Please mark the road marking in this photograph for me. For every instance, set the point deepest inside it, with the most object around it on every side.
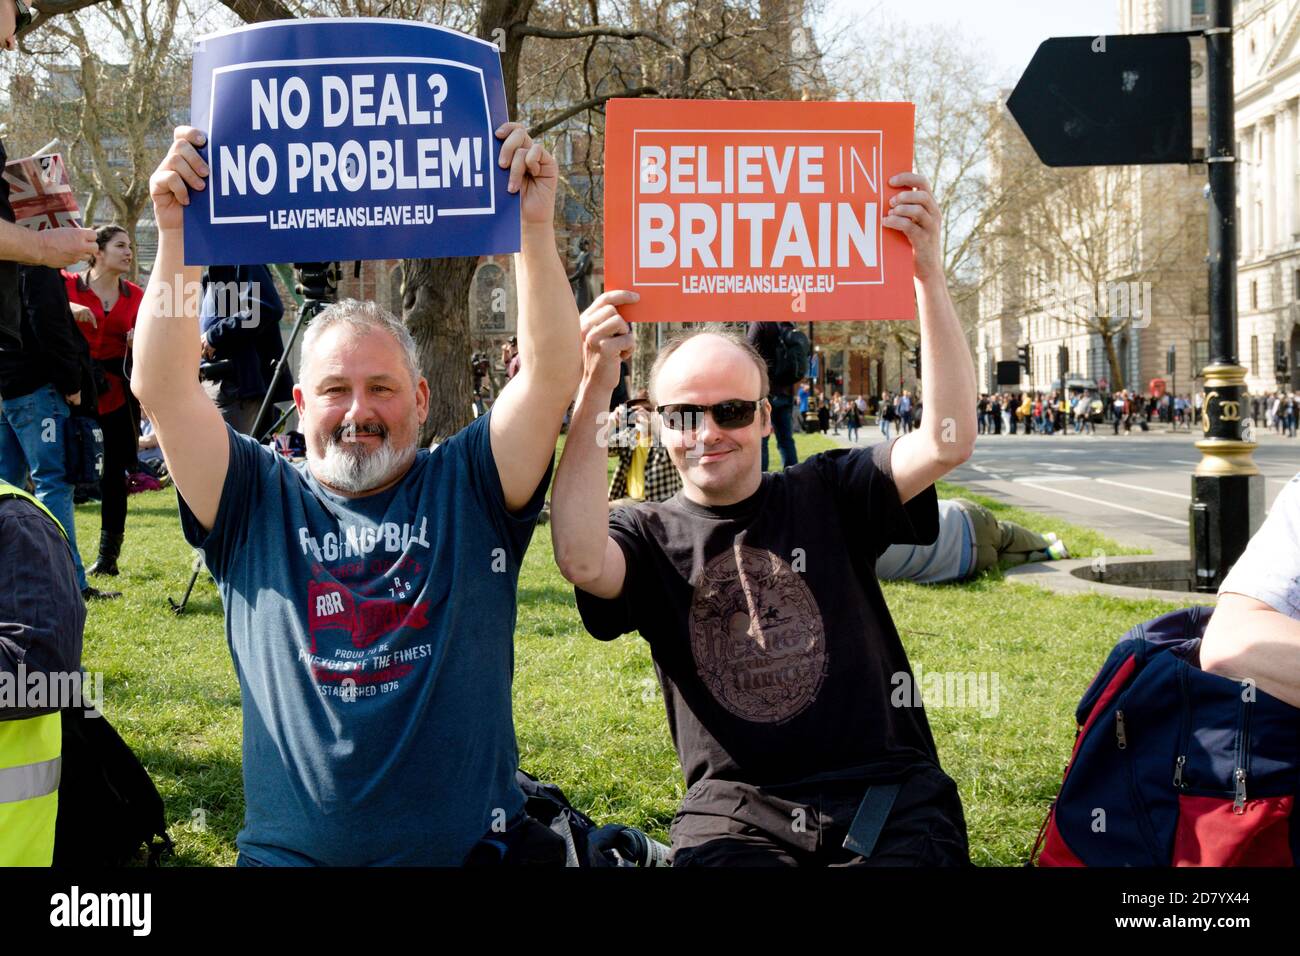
(1052, 466)
(1026, 479)
(1121, 464)
(1182, 461)
(1154, 491)
(1109, 504)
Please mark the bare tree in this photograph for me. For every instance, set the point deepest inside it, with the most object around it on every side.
(129, 80)
(1097, 237)
(950, 82)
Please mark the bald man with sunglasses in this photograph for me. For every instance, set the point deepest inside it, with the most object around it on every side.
(777, 656)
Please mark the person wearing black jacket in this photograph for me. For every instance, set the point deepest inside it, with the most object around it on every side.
(765, 337)
(239, 322)
(42, 383)
(56, 248)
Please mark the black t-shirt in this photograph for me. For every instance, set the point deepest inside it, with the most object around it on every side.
(771, 638)
(10, 308)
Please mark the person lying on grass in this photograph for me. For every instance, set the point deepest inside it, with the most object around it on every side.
(369, 591)
(775, 661)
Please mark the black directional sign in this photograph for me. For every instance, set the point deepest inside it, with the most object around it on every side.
(1108, 101)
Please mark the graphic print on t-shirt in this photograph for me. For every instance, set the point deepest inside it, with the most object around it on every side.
(344, 622)
(757, 635)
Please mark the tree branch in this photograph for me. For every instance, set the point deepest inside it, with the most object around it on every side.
(579, 33)
(588, 104)
(259, 11)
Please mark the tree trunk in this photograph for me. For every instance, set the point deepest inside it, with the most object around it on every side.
(1112, 359)
(644, 351)
(132, 225)
(435, 292)
(435, 307)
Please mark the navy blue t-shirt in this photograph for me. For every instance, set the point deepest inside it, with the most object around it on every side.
(373, 642)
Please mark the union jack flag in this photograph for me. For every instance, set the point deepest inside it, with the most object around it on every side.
(40, 193)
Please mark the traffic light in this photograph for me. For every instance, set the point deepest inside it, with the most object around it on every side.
(916, 360)
(318, 281)
(1062, 363)
(1280, 364)
(1170, 358)
(1024, 357)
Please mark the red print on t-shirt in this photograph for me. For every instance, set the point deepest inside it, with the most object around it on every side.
(333, 610)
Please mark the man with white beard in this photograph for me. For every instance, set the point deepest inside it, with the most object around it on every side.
(369, 592)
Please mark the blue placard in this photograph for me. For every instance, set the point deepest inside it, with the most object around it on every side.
(348, 139)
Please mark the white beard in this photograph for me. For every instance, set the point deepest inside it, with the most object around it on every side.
(348, 467)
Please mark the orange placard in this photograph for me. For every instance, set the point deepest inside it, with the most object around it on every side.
(756, 210)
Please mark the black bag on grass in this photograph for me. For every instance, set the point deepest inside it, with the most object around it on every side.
(108, 806)
(586, 843)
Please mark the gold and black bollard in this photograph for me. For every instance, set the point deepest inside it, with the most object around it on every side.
(1227, 487)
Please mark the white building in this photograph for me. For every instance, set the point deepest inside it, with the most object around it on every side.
(1266, 53)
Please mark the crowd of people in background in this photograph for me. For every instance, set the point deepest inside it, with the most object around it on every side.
(1030, 413)
(1279, 411)
(1083, 412)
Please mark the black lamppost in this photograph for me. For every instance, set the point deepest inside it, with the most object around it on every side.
(1227, 488)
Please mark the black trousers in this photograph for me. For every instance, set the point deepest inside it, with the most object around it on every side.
(725, 823)
(121, 435)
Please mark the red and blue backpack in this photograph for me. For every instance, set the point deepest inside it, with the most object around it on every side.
(1173, 766)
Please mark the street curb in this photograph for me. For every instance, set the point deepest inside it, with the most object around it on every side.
(1058, 576)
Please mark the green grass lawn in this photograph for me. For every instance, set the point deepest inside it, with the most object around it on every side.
(589, 714)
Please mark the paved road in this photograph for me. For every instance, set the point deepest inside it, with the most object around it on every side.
(1135, 489)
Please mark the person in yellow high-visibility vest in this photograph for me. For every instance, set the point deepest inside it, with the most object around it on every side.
(41, 621)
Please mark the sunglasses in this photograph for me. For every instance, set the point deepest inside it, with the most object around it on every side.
(731, 414)
(24, 15)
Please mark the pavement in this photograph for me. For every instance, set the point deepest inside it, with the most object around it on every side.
(1134, 488)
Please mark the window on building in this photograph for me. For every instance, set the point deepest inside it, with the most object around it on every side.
(1254, 294)
(1200, 356)
(1254, 355)
(1296, 293)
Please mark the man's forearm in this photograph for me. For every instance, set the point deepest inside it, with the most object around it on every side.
(167, 331)
(579, 508)
(1248, 639)
(548, 321)
(19, 245)
(947, 371)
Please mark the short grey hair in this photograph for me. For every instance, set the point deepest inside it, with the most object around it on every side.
(363, 317)
(678, 341)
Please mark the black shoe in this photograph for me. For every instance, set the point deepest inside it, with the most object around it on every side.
(90, 593)
(110, 546)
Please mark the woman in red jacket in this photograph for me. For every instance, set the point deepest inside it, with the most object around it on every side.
(112, 302)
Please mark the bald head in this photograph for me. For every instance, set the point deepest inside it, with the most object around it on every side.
(707, 367)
